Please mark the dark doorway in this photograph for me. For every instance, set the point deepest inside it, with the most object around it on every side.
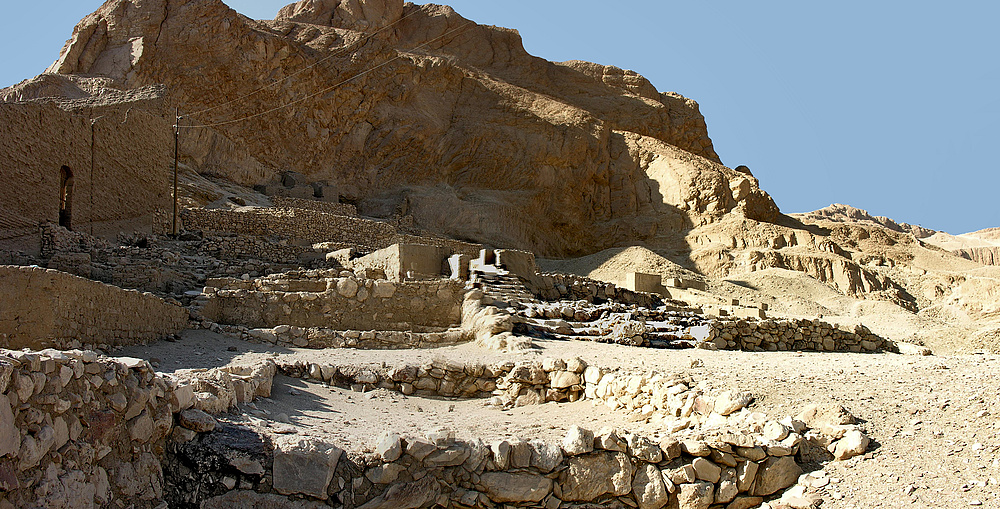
(65, 197)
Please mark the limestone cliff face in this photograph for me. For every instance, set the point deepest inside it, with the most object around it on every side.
(448, 121)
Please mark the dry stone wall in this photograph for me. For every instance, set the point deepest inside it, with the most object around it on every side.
(316, 337)
(795, 334)
(725, 455)
(312, 226)
(339, 209)
(344, 303)
(42, 308)
(81, 430)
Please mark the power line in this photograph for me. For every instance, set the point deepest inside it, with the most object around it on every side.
(335, 85)
(304, 69)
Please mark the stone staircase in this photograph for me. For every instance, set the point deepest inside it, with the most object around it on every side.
(503, 286)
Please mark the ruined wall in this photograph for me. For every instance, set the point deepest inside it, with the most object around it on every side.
(312, 226)
(81, 430)
(739, 458)
(339, 209)
(119, 185)
(42, 308)
(344, 303)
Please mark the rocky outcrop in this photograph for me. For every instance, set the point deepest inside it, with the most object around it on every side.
(451, 122)
(841, 213)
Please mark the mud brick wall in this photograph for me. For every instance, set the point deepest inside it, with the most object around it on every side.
(119, 168)
(42, 308)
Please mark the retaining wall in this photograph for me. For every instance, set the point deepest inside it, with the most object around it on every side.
(343, 303)
(42, 308)
(312, 226)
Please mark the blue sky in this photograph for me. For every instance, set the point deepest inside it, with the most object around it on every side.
(889, 106)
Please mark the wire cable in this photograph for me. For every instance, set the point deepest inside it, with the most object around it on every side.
(327, 89)
(304, 69)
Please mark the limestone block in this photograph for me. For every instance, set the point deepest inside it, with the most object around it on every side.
(705, 470)
(9, 440)
(577, 441)
(196, 420)
(515, 487)
(608, 439)
(698, 495)
(643, 448)
(852, 444)
(303, 466)
(648, 487)
(776, 473)
(589, 476)
(390, 447)
(729, 402)
(544, 456)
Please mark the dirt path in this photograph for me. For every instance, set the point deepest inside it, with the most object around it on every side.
(933, 419)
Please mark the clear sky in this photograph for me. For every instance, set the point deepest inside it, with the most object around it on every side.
(890, 106)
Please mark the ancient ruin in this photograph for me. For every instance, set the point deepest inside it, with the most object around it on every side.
(413, 266)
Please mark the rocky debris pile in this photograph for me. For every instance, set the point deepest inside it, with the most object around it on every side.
(217, 390)
(81, 430)
(488, 325)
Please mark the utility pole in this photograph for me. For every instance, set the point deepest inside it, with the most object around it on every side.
(177, 129)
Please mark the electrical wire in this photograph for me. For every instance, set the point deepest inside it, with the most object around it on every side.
(304, 69)
(327, 89)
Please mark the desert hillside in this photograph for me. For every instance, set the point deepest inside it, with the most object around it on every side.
(415, 110)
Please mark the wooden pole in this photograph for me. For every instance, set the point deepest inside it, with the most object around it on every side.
(177, 128)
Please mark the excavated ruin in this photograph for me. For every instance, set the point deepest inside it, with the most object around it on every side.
(348, 311)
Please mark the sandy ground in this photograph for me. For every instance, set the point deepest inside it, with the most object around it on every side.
(936, 437)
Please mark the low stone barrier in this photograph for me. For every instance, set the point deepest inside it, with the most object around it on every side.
(316, 337)
(345, 303)
(81, 430)
(795, 334)
(42, 308)
(737, 463)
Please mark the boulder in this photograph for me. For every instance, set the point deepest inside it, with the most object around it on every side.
(515, 487)
(303, 466)
(589, 476)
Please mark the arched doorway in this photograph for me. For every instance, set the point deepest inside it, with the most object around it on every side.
(65, 197)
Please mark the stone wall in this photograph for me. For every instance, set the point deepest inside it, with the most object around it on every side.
(312, 226)
(42, 308)
(257, 247)
(335, 208)
(795, 334)
(317, 337)
(344, 303)
(721, 454)
(81, 430)
(119, 185)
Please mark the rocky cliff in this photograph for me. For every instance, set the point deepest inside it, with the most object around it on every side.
(414, 110)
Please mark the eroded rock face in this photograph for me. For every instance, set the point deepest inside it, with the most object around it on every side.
(452, 129)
